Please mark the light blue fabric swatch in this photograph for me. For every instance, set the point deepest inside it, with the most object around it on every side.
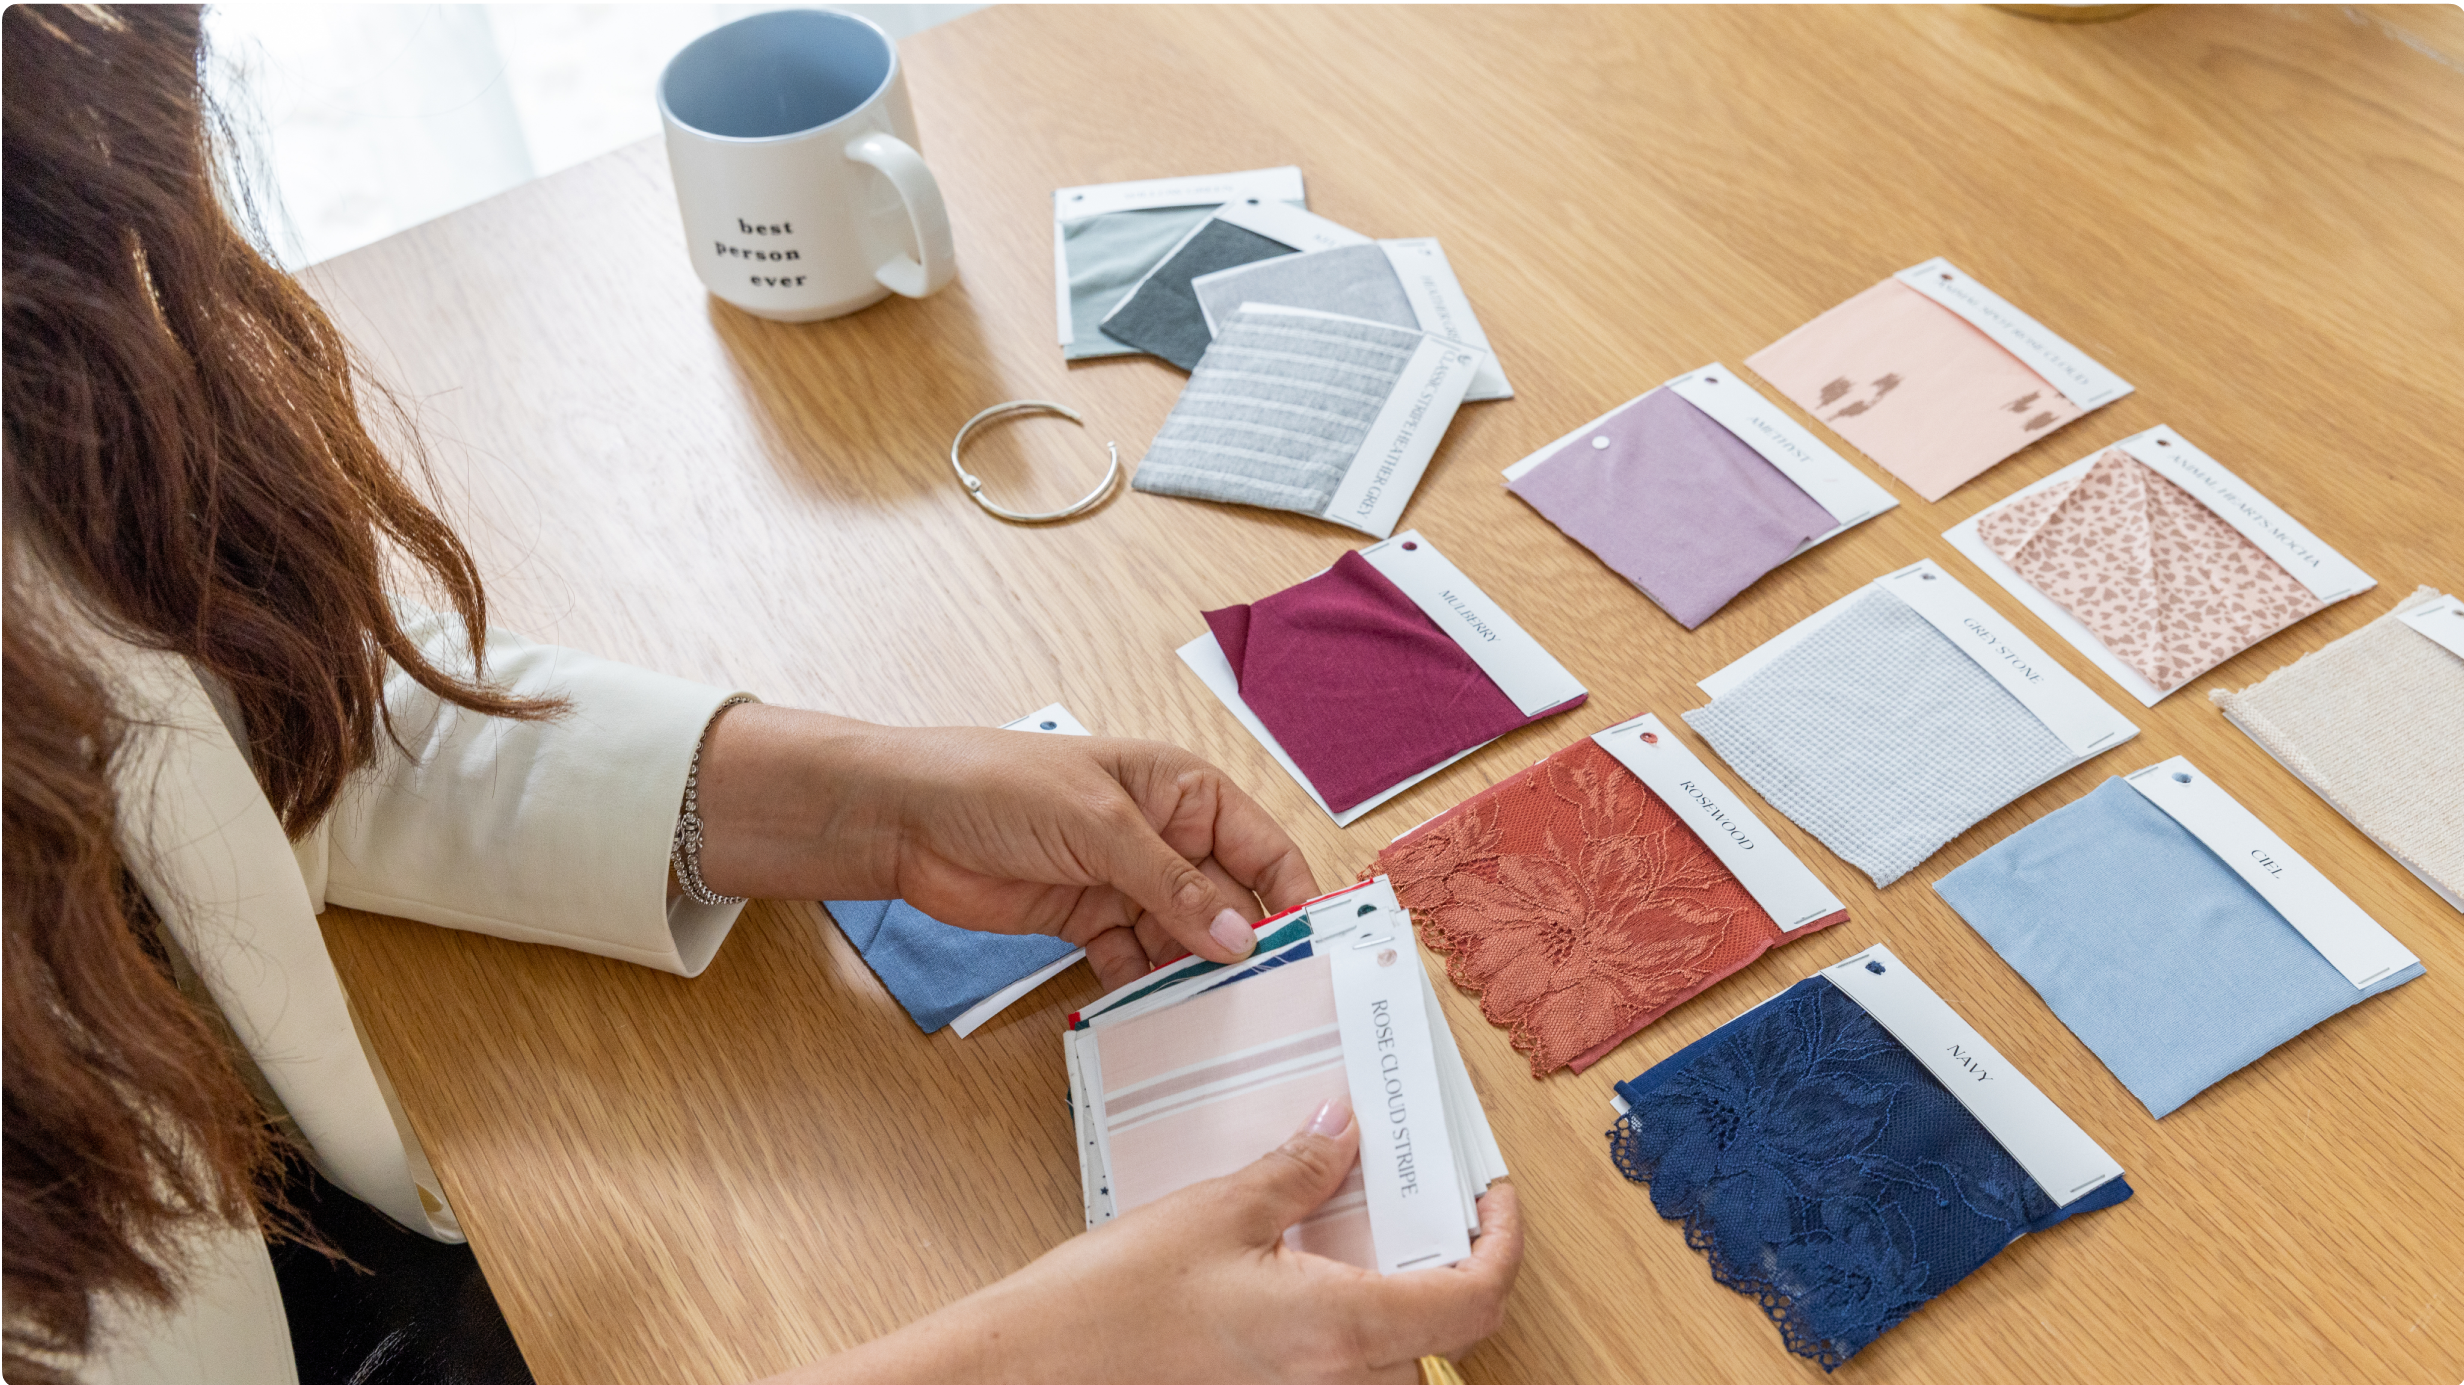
(938, 971)
(2163, 962)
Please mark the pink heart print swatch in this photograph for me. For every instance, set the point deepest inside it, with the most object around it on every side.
(2159, 578)
(1914, 386)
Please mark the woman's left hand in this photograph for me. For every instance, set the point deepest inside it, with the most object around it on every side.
(1135, 850)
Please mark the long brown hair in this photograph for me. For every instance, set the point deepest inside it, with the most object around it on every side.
(185, 456)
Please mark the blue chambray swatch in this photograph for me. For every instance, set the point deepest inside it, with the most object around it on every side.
(937, 970)
(2164, 962)
(1824, 1171)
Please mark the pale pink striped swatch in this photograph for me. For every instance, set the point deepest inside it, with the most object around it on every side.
(1202, 1088)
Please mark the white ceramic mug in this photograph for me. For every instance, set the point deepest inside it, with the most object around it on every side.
(793, 150)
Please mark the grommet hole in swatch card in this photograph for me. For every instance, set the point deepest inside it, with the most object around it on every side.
(2084, 723)
(2351, 941)
(2329, 575)
(2441, 621)
(1770, 872)
(2022, 1119)
(2080, 377)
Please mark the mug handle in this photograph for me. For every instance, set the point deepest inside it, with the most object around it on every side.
(905, 169)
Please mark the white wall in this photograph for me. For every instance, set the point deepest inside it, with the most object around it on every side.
(370, 118)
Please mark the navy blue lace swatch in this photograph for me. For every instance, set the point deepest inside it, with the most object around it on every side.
(1823, 1171)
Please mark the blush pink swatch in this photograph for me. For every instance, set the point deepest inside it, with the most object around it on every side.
(1914, 386)
(2160, 579)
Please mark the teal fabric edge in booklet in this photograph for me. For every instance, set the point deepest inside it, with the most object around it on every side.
(1202, 1067)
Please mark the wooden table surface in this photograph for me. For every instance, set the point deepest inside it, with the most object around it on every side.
(2253, 215)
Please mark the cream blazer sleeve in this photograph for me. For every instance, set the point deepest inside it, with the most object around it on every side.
(551, 831)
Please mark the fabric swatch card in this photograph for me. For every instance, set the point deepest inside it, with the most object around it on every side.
(2374, 724)
(1695, 490)
(1402, 283)
(1206, 1068)
(1106, 236)
(1935, 376)
(2155, 561)
(2159, 954)
(1331, 417)
(1896, 718)
(1377, 673)
(1580, 905)
(1847, 1151)
(1161, 315)
(946, 975)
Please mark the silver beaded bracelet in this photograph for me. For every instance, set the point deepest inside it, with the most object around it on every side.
(685, 851)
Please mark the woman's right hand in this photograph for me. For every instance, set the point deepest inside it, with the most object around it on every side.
(1200, 1287)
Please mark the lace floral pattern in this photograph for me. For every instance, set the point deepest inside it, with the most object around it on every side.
(1576, 905)
(1824, 1172)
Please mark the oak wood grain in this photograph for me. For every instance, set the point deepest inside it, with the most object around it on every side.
(2251, 214)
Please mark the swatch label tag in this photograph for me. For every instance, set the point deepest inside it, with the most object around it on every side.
(2083, 722)
(1512, 659)
(1835, 485)
(1770, 872)
(1281, 221)
(2442, 621)
(2024, 1121)
(1209, 190)
(1407, 1165)
(2350, 940)
(1052, 720)
(2329, 575)
(1440, 306)
(2080, 378)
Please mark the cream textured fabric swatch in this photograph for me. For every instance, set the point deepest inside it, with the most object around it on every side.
(2374, 723)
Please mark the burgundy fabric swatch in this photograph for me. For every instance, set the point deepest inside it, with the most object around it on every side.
(1675, 504)
(1359, 687)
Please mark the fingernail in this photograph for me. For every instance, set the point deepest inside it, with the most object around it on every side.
(1231, 930)
(1332, 1116)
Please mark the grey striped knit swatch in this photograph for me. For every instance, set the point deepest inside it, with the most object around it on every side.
(1354, 280)
(1277, 410)
(1881, 737)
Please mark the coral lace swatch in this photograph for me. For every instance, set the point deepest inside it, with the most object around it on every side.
(1357, 685)
(2159, 578)
(1915, 386)
(1824, 1172)
(1576, 905)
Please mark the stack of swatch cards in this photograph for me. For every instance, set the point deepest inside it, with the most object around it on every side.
(1850, 1149)
(1598, 890)
(2176, 935)
(945, 975)
(1325, 366)
(2155, 561)
(1898, 717)
(1202, 1067)
(1935, 376)
(1694, 490)
(1377, 673)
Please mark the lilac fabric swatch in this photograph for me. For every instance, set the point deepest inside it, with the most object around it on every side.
(1675, 504)
(1357, 685)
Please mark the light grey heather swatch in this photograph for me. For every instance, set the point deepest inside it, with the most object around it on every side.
(1355, 280)
(1276, 411)
(1881, 737)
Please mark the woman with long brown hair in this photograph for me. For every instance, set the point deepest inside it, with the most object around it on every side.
(220, 716)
